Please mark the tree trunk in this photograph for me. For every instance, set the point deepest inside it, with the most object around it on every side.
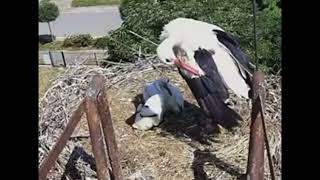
(50, 31)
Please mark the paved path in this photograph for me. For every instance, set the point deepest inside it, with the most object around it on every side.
(97, 21)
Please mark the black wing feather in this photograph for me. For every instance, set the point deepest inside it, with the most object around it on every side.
(164, 86)
(212, 81)
(233, 45)
(210, 92)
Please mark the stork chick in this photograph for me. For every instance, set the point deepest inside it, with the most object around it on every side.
(160, 97)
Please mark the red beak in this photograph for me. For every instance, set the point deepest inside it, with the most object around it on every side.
(180, 63)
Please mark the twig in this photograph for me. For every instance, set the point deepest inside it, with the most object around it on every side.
(143, 38)
(139, 55)
(115, 63)
(79, 136)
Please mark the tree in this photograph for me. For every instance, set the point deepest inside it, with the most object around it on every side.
(48, 12)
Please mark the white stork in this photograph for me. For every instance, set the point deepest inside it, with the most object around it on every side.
(211, 61)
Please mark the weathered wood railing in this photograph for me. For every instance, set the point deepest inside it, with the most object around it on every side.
(258, 135)
(98, 116)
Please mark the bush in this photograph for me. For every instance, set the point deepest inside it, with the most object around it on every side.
(81, 40)
(55, 45)
(101, 43)
(147, 17)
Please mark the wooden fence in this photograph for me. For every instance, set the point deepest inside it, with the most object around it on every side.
(65, 58)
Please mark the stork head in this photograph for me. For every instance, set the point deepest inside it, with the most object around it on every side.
(170, 52)
(165, 53)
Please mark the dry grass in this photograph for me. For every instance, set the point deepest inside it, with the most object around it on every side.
(174, 150)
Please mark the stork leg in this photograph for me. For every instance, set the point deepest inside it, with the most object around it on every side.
(210, 126)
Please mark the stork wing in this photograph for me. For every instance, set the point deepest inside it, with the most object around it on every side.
(178, 96)
(233, 46)
(212, 81)
(213, 106)
(210, 91)
(162, 86)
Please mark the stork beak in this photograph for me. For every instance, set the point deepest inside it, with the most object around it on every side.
(181, 63)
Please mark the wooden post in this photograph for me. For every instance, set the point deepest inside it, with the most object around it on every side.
(62, 141)
(95, 57)
(255, 167)
(63, 59)
(50, 56)
(109, 136)
(97, 112)
(95, 128)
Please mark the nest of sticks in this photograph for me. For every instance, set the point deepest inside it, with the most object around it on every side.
(174, 150)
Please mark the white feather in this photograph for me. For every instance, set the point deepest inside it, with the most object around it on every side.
(185, 25)
(230, 73)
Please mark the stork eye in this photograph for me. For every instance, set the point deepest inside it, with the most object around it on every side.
(146, 106)
(167, 60)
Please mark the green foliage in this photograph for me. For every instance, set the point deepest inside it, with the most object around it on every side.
(51, 46)
(45, 1)
(77, 42)
(48, 11)
(80, 40)
(85, 3)
(270, 38)
(101, 43)
(147, 17)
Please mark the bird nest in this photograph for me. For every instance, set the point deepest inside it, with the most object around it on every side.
(174, 150)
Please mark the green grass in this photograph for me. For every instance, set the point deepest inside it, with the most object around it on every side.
(45, 1)
(85, 3)
(46, 75)
(57, 45)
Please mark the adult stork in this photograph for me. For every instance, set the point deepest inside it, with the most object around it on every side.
(211, 62)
